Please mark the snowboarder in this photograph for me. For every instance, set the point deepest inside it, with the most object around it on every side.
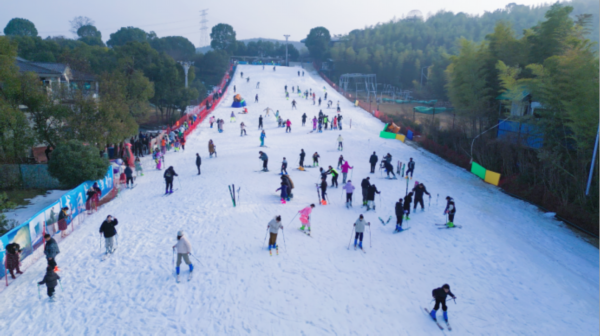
(411, 168)
(13, 253)
(260, 123)
(316, 159)
(108, 229)
(303, 119)
(359, 229)
(243, 129)
(419, 190)
(407, 201)
(284, 193)
(212, 148)
(273, 227)
(399, 209)
(198, 162)
(169, 175)
(51, 251)
(284, 166)
(365, 184)
(265, 159)
(450, 211)
(263, 135)
(184, 249)
(288, 126)
(51, 280)
(345, 168)
(334, 176)
(373, 160)
(128, 176)
(440, 294)
(302, 155)
(371, 197)
(349, 190)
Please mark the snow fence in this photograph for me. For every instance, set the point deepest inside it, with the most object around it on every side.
(484, 174)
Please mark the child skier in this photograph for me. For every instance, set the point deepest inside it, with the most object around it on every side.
(284, 194)
(263, 135)
(359, 229)
(450, 211)
(349, 190)
(407, 201)
(323, 192)
(316, 159)
(284, 167)
(440, 294)
(411, 168)
(242, 129)
(399, 215)
(305, 217)
(184, 249)
(371, 197)
(273, 228)
(50, 279)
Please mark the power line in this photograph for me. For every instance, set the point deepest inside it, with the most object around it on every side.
(203, 28)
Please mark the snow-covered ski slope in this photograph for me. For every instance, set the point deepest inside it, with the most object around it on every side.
(514, 270)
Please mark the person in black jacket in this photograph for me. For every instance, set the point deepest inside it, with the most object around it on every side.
(260, 124)
(411, 168)
(51, 250)
(303, 119)
(365, 184)
(419, 190)
(371, 197)
(440, 294)
(323, 192)
(373, 160)
(450, 211)
(407, 201)
(399, 215)
(50, 279)
(108, 229)
(13, 252)
(129, 176)
(169, 175)
(302, 155)
(198, 162)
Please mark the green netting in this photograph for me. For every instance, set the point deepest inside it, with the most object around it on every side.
(478, 170)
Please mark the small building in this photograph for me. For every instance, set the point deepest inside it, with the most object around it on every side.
(521, 108)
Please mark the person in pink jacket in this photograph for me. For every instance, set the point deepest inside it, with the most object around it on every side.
(288, 126)
(184, 249)
(345, 168)
(305, 217)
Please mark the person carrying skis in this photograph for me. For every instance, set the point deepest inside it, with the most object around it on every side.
(323, 192)
(440, 294)
(349, 190)
(284, 194)
(108, 229)
(399, 209)
(260, 123)
(51, 251)
(263, 135)
(211, 148)
(411, 168)
(373, 160)
(265, 159)
(340, 144)
(345, 168)
(334, 176)
(365, 184)
(302, 155)
(284, 166)
(273, 227)
(371, 197)
(50, 280)
(316, 159)
(288, 126)
(13, 253)
(169, 175)
(303, 119)
(407, 201)
(359, 229)
(198, 162)
(419, 190)
(128, 176)
(450, 211)
(184, 249)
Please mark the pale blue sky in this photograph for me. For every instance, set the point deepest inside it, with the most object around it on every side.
(250, 19)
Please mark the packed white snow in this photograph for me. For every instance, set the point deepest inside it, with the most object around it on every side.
(514, 270)
(36, 204)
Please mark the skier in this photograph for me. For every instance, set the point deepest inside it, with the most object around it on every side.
(260, 123)
(273, 228)
(211, 121)
(365, 184)
(198, 162)
(242, 129)
(340, 161)
(256, 98)
(371, 197)
(325, 121)
(305, 217)
(290, 185)
(232, 117)
(316, 159)
(184, 249)
(359, 229)
(319, 101)
(323, 174)
(108, 229)
(388, 167)
(263, 135)
(419, 190)
(440, 294)
(284, 166)
(169, 175)
(285, 88)
(129, 176)
(302, 155)
(349, 190)
(323, 192)
(288, 126)
(411, 168)
(303, 119)
(373, 160)
(407, 201)
(450, 211)
(267, 110)
(13, 253)
(51, 251)
(50, 279)
(263, 156)
(340, 144)
(339, 118)
(211, 148)
(294, 105)
(284, 194)
(399, 209)
(345, 168)
(334, 176)
(314, 121)
(258, 85)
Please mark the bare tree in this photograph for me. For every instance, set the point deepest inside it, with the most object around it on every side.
(78, 22)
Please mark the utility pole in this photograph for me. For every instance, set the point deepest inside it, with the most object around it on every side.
(286, 49)
(186, 67)
(203, 29)
(423, 75)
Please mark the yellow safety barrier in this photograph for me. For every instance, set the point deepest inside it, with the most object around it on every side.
(401, 137)
(492, 177)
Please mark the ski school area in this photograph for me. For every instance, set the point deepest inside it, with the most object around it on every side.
(513, 270)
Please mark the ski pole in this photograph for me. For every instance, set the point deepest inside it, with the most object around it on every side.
(370, 245)
(352, 234)
(195, 258)
(293, 218)
(39, 297)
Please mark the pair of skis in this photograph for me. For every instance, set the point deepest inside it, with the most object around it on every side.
(436, 321)
(384, 223)
(445, 226)
(232, 194)
(400, 169)
(189, 277)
